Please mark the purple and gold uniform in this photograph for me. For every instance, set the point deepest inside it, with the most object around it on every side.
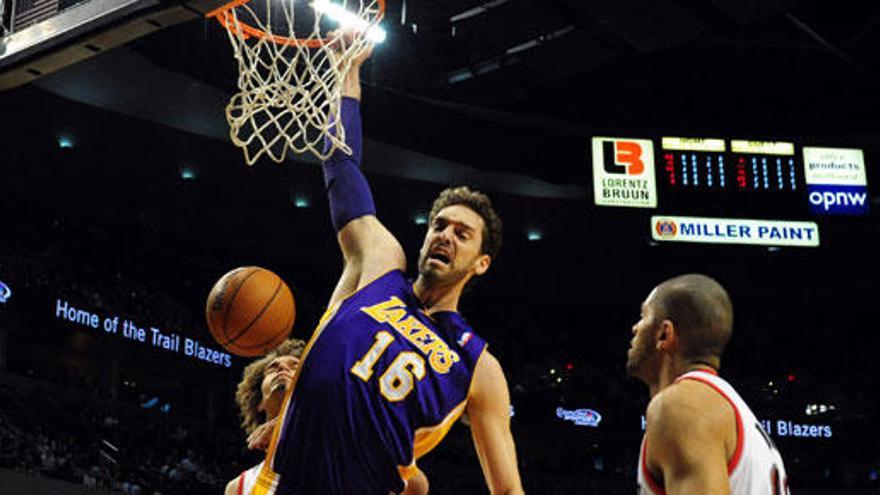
(380, 385)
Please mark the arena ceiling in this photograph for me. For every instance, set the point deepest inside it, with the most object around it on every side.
(509, 90)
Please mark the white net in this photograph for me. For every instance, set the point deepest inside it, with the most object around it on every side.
(292, 61)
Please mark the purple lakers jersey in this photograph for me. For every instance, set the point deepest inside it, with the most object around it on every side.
(380, 385)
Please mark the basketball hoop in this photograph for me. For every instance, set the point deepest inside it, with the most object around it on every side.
(291, 63)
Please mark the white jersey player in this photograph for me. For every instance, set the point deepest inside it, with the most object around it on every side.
(756, 466)
(700, 435)
(247, 479)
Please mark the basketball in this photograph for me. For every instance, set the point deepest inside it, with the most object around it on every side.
(250, 311)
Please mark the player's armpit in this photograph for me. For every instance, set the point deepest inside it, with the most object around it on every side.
(686, 434)
(346, 284)
(488, 411)
(369, 251)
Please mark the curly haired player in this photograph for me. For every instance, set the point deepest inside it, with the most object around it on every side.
(259, 396)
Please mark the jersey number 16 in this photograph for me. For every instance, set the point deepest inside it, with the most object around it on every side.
(398, 380)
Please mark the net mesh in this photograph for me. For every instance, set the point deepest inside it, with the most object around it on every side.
(291, 61)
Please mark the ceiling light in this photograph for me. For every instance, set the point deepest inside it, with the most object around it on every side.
(349, 20)
(482, 9)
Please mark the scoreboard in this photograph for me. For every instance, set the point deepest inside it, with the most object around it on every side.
(764, 166)
(736, 176)
(751, 166)
(694, 163)
(725, 180)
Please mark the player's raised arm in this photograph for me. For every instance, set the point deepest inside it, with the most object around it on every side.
(368, 248)
(685, 440)
(489, 413)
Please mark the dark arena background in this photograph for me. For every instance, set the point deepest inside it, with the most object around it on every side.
(122, 201)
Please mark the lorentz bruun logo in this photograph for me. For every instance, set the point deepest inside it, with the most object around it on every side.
(623, 157)
(623, 172)
(5, 292)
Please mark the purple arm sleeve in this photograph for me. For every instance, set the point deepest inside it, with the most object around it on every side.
(347, 188)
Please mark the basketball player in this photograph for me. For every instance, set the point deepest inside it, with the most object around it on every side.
(392, 364)
(259, 396)
(701, 437)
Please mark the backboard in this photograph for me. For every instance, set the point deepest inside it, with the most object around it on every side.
(38, 37)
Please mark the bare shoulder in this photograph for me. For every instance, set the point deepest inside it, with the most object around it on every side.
(689, 438)
(490, 363)
(688, 412)
(690, 403)
(489, 381)
(488, 370)
(232, 486)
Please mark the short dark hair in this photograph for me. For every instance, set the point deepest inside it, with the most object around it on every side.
(701, 311)
(482, 205)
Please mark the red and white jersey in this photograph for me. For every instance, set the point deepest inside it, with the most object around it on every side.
(248, 479)
(756, 467)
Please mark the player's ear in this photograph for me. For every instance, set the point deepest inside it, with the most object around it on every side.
(666, 335)
(482, 263)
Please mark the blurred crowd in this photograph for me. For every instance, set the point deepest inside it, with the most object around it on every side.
(66, 424)
(48, 430)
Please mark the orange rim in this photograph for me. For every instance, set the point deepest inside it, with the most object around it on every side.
(228, 22)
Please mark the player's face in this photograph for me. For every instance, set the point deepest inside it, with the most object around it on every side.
(276, 378)
(452, 247)
(643, 346)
